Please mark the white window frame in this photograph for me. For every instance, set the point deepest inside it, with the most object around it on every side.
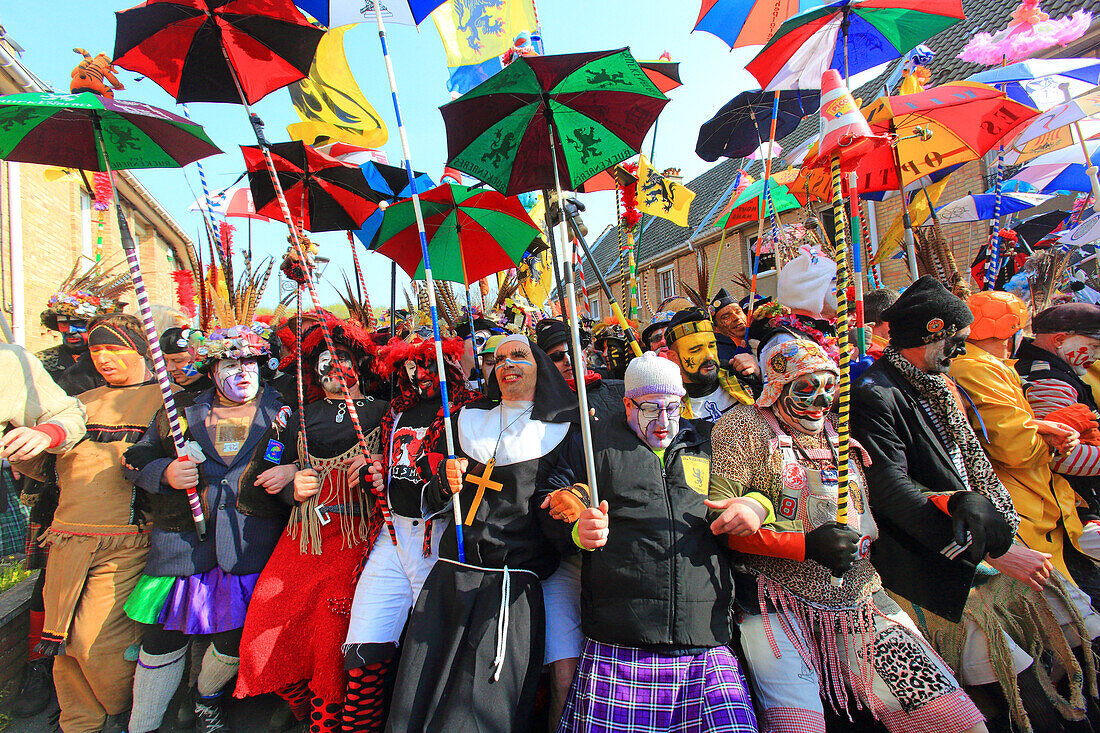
(750, 252)
(87, 227)
(594, 305)
(671, 271)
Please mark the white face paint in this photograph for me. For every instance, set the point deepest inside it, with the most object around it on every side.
(238, 380)
(1079, 352)
(326, 372)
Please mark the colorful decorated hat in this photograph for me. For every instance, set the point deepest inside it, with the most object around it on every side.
(787, 362)
(83, 297)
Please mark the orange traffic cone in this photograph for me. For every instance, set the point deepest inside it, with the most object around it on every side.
(844, 131)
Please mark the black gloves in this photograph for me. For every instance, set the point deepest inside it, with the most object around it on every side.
(990, 532)
(834, 545)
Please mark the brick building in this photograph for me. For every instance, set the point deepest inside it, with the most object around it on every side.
(668, 254)
(47, 225)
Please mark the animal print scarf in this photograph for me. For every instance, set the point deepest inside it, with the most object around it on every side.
(938, 396)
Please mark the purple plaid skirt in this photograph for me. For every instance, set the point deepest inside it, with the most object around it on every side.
(620, 689)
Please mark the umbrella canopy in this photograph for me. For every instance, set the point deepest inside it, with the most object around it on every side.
(744, 122)
(323, 194)
(850, 36)
(1037, 82)
(234, 201)
(60, 129)
(749, 205)
(601, 105)
(979, 206)
(471, 232)
(1036, 228)
(1055, 172)
(333, 13)
(965, 119)
(745, 23)
(183, 46)
(1060, 115)
(665, 75)
(393, 182)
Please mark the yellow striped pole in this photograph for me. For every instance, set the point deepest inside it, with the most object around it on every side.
(843, 429)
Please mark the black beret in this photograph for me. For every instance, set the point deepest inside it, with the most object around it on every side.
(720, 300)
(549, 332)
(687, 321)
(174, 340)
(480, 324)
(925, 312)
(1079, 318)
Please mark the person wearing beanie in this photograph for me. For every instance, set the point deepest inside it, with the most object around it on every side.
(878, 330)
(655, 600)
(1053, 365)
(181, 367)
(711, 390)
(1021, 449)
(806, 290)
(774, 495)
(99, 536)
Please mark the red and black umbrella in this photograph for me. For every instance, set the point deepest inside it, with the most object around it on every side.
(199, 50)
(322, 193)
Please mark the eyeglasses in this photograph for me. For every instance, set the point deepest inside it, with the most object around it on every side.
(558, 356)
(651, 410)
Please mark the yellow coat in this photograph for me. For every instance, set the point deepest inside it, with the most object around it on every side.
(1044, 500)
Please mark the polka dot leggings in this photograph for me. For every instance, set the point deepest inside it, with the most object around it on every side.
(367, 698)
(324, 717)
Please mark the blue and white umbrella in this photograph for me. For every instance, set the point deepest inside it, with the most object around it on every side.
(979, 206)
(1038, 82)
(333, 13)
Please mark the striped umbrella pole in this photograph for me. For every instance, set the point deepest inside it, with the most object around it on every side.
(441, 366)
(840, 251)
(857, 260)
(578, 269)
(130, 249)
(206, 192)
(993, 263)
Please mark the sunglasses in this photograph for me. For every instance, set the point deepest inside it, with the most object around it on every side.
(558, 356)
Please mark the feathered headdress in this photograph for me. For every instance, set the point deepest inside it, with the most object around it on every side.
(345, 334)
(398, 351)
(84, 296)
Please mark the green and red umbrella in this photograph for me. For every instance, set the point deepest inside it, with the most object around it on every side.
(60, 129)
(472, 233)
(600, 104)
(850, 36)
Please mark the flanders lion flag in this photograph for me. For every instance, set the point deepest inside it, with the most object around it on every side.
(658, 196)
(474, 31)
(330, 103)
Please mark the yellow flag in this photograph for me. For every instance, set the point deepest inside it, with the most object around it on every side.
(918, 212)
(330, 103)
(536, 275)
(658, 196)
(474, 31)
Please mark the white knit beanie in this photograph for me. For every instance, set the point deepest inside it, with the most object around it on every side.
(652, 374)
(806, 282)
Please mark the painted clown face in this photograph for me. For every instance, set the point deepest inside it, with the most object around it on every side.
(73, 333)
(697, 354)
(654, 418)
(423, 375)
(805, 401)
(237, 380)
(329, 371)
(1079, 351)
(938, 354)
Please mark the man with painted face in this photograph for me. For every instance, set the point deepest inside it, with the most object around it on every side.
(656, 593)
(99, 536)
(203, 587)
(711, 390)
(774, 492)
(181, 367)
(938, 504)
(297, 621)
(400, 559)
(1052, 365)
(475, 643)
(611, 346)
(653, 335)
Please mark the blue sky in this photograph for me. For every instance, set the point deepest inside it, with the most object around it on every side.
(712, 74)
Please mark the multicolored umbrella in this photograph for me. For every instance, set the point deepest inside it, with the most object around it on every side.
(746, 23)
(216, 50)
(600, 104)
(664, 73)
(1061, 170)
(323, 194)
(1038, 82)
(850, 36)
(744, 123)
(61, 128)
(333, 13)
(471, 232)
(82, 125)
(393, 182)
(750, 204)
(235, 201)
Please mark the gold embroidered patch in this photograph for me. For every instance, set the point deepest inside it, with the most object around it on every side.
(697, 473)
